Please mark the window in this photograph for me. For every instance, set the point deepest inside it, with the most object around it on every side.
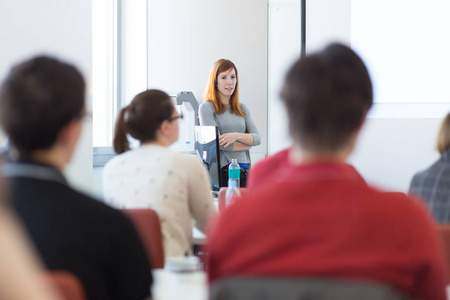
(105, 37)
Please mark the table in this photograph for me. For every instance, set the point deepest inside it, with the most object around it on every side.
(169, 285)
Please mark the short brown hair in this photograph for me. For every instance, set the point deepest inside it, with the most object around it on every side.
(37, 99)
(327, 95)
(443, 137)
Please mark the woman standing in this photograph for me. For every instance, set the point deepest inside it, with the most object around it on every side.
(174, 184)
(237, 131)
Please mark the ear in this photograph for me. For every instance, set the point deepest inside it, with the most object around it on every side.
(164, 129)
(69, 134)
(356, 133)
(363, 120)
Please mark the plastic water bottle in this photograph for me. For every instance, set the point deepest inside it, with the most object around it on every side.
(232, 191)
(234, 172)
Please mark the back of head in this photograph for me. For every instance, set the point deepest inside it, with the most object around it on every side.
(37, 99)
(142, 118)
(327, 95)
(443, 138)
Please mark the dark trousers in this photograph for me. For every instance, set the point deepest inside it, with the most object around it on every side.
(224, 177)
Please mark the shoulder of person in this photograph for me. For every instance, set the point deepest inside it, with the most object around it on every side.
(120, 159)
(399, 204)
(418, 177)
(430, 172)
(113, 162)
(243, 107)
(187, 159)
(141, 153)
(94, 207)
(273, 161)
(189, 166)
(411, 210)
(206, 106)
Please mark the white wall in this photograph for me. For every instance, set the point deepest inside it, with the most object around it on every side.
(406, 53)
(327, 21)
(133, 49)
(284, 48)
(60, 28)
(391, 150)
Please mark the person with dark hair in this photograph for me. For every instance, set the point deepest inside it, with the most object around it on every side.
(433, 184)
(238, 132)
(174, 184)
(317, 217)
(41, 110)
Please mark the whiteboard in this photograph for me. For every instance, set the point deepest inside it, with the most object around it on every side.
(407, 53)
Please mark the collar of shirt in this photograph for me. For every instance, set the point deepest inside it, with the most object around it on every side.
(32, 170)
(321, 171)
(446, 156)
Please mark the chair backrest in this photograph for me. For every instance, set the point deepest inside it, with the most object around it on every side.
(267, 288)
(221, 198)
(67, 284)
(147, 224)
(443, 231)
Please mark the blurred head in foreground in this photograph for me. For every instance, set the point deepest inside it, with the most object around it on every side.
(41, 107)
(327, 96)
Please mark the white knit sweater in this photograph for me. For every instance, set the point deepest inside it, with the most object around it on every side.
(175, 185)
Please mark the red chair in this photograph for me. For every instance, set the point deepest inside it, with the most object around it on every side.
(67, 284)
(221, 198)
(444, 232)
(147, 224)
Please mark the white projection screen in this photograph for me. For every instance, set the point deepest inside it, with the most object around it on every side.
(406, 46)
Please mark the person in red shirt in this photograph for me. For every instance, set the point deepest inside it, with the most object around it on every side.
(316, 217)
(264, 169)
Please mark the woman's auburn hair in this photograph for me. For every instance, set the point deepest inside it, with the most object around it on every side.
(212, 94)
(443, 137)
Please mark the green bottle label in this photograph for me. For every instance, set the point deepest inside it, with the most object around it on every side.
(234, 173)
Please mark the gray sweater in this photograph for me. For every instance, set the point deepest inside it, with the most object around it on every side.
(228, 122)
